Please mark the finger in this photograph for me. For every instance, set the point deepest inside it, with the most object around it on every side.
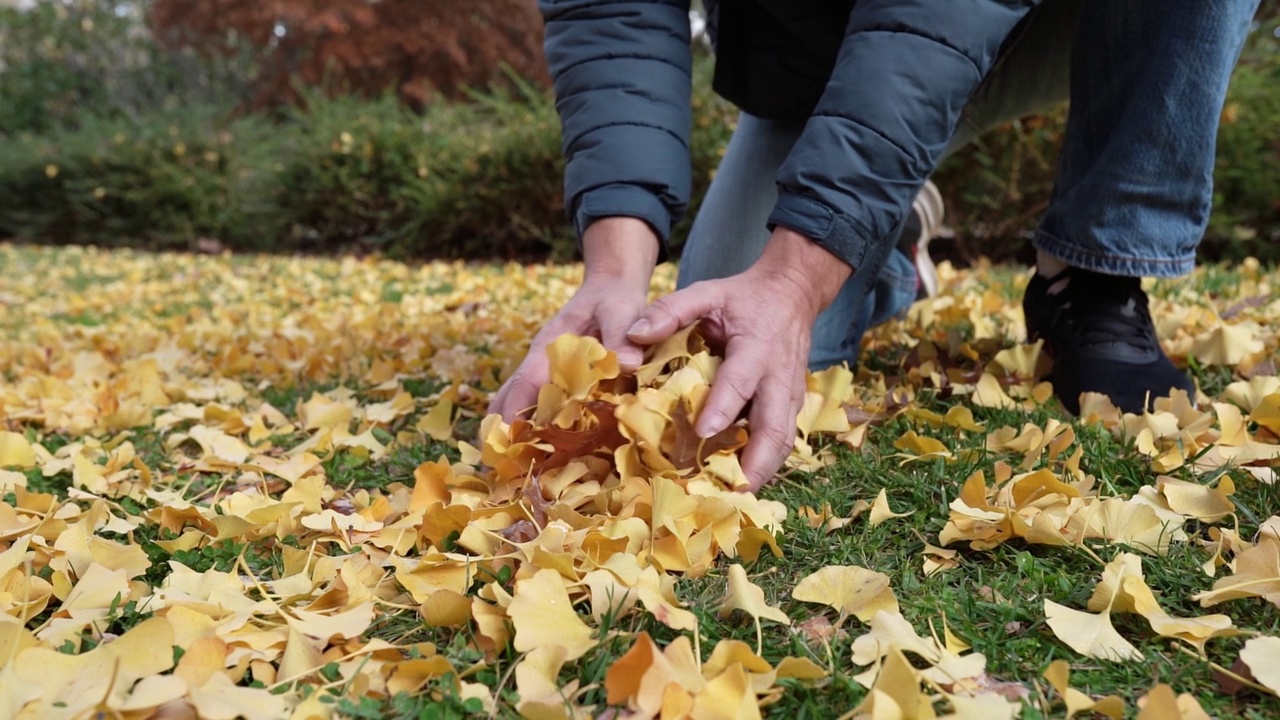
(734, 384)
(520, 391)
(773, 428)
(521, 394)
(671, 312)
(613, 333)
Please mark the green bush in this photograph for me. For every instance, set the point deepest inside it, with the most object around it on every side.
(463, 180)
(165, 181)
(482, 179)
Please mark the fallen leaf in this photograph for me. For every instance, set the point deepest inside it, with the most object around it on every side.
(1262, 656)
(1090, 635)
(543, 616)
(850, 589)
(1059, 673)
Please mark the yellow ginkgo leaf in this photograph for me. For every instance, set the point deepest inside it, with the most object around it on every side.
(1250, 394)
(437, 422)
(850, 589)
(1257, 574)
(727, 696)
(960, 416)
(1262, 655)
(880, 511)
(744, 595)
(579, 363)
(542, 615)
(537, 682)
(644, 677)
(1208, 504)
(918, 447)
(15, 451)
(222, 698)
(896, 694)
(989, 394)
(446, 608)
(1090, 635)
(1162, 704)
(1225, 345)
(938, 559)
(1266, 413)
(799, 669)
(1059, 673)
(823, 409)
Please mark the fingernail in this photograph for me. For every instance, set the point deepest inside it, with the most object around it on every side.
(710, 424)
(640, 327)
(630, 357)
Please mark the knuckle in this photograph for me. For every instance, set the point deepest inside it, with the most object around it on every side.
(778, 439)
(740, 386)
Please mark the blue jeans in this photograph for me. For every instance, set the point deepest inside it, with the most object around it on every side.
(1147, 80)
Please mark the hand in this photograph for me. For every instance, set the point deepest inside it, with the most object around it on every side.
(763, 317)
(619, 255)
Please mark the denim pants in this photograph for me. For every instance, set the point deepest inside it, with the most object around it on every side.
(1147, 80)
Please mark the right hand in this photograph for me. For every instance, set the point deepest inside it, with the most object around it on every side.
(619, 255)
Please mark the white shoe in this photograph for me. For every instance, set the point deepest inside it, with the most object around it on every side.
(923, 226)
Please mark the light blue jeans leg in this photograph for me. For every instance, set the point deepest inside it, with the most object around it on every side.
(729, 234)
(1135, 185)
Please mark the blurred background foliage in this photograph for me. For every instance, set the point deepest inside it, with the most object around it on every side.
(422, 130)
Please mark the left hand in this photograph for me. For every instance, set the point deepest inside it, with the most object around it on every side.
(763, 318)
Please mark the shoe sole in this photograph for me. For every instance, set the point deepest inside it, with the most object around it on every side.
(928, 206)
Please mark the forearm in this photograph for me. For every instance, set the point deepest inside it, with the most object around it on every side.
(904, 73)
(622, 75)
(621, 250)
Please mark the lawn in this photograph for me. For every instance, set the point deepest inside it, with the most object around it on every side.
(265, 487)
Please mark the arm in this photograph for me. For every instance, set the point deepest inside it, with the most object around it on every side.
(905, 71)
(622, 79)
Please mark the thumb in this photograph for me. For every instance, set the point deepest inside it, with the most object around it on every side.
(670, 313)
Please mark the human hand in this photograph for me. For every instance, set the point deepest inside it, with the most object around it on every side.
(619, 255)
(763, 318)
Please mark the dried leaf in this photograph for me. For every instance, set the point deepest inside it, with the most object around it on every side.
(850, 589)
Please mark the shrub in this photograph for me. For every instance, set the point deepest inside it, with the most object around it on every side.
(165, 181)
(463, 180)
(482, 179)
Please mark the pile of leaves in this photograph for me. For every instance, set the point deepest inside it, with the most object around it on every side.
(267, 488)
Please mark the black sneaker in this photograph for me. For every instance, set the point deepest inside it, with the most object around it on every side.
(1098, 331)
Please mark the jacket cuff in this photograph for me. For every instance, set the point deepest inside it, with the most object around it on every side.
(625, 201)
(832, 230)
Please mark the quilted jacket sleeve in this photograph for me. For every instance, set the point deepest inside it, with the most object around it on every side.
(622, 74)
(905, 70)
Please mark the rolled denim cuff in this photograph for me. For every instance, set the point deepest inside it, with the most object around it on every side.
(832, 230)
(621, 200)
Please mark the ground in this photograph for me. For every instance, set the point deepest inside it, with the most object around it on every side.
(225, 496)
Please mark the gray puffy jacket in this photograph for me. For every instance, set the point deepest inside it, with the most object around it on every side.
(882, 91)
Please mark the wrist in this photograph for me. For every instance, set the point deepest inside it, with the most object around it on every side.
(794, 258)
(619, 249)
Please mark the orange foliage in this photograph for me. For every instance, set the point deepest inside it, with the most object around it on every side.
(414, 47)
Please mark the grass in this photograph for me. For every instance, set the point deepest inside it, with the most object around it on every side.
(425, 324)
